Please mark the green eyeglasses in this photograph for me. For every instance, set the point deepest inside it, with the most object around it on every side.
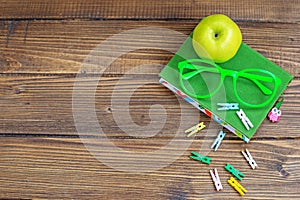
(203, 78)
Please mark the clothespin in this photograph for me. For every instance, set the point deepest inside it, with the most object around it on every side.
(228, 106)
(195, 129)
(238, 187)
(199, 157)
(246, 121)
(275, 113)
(218, 140)
(249, 158)
(239, 175)
(216, 179)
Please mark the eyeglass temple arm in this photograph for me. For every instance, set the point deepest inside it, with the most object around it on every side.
(197, 69)
(263, 88)
(256, 78)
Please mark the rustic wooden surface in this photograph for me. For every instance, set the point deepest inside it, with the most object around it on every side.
(42, 47)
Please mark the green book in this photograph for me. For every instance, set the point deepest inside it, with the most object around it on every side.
(245, 58)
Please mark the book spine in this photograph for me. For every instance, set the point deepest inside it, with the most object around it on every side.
(202, 109)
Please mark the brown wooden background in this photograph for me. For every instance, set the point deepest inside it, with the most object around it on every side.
(42, 47)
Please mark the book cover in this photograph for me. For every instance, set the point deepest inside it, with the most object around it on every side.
(246, 58)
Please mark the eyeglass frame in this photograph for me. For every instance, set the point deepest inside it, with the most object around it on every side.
(234, 74)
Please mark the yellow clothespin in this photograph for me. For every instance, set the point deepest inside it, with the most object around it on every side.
(195, 129)
(238, 187)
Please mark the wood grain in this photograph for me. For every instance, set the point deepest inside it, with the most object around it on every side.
(60, 47)
(63, 168)
(258, 10)
(43, 48)
(43, 105)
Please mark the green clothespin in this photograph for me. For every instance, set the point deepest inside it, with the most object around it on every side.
(239, 175)
(275, 113)
(199, 157)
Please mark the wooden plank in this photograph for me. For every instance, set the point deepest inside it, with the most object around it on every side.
(62, 168)
(259, 10)
(60, 47)
(35, 105)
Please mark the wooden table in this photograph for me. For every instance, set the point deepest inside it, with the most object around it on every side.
(43, 46)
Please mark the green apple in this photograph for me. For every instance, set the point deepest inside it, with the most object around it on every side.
(217, 38)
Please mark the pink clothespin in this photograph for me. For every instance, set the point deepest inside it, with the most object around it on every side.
(275, 113)
(216, 179)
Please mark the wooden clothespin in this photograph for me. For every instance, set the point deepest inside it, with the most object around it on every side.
(238, 187)
(239, 175)
(199, 157)
(218, 140)
(249, 158)
(216, 179)
(246, 121)
(275, 113)
(228, 106)
(195, 129)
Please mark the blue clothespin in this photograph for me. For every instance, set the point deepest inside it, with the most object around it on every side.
(218, 140)
(239, 175)
(199, 157)
(228, 106)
